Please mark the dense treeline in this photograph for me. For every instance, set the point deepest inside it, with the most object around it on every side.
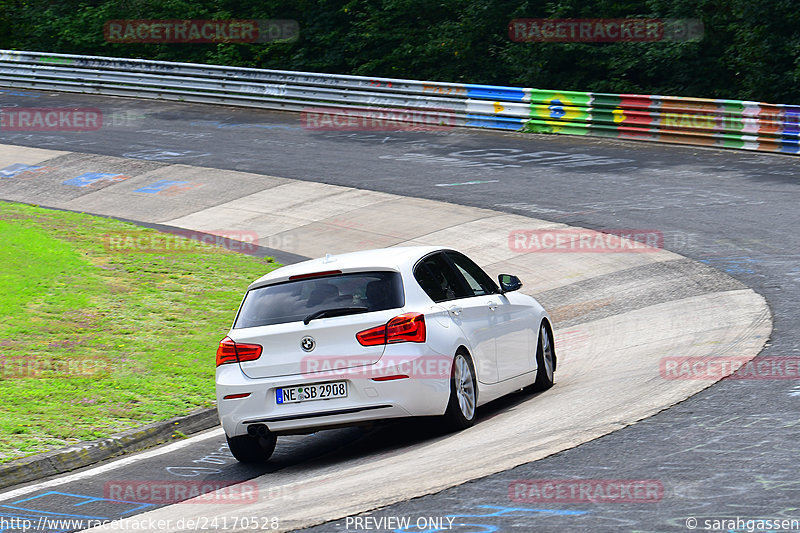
(750, 49)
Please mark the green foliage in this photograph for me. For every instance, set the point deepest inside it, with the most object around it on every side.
(750, 49)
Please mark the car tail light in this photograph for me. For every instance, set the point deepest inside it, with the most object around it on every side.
(372, 336)
(408, 327)
(231, 352)
(226, 352)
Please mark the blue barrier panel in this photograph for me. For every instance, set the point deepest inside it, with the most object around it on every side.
(790, 138)
(505, 123)
(495, 92)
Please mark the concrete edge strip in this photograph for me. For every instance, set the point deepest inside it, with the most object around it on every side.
(84, 454)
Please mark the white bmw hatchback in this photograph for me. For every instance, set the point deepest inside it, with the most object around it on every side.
(396, 332)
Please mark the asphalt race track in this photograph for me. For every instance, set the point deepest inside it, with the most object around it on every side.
(727, 452)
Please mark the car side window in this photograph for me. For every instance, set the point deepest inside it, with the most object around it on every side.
(478, 280)
(438, 279)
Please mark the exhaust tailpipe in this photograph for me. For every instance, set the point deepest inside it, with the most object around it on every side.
(258, 430)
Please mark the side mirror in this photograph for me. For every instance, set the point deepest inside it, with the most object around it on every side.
(509, 283)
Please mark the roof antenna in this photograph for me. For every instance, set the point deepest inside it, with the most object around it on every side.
(328, 259)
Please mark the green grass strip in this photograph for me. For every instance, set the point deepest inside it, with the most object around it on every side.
(95, 339)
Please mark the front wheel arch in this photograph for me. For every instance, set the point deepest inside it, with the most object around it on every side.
(546, 324)
(545, 342)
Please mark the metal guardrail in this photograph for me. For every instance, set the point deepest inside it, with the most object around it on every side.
(707, 122)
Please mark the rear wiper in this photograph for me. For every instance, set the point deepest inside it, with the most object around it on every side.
(337, 311)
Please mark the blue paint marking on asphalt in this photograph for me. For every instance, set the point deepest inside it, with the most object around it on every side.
(17, 168)
(83, 500)
(90, 178)
(498, 511)
(18, 93)
(479, 528)
(732, 265)
(160, 186)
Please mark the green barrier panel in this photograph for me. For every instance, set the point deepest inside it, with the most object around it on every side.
(556, 108)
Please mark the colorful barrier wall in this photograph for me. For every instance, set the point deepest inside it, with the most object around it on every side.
(696, 121)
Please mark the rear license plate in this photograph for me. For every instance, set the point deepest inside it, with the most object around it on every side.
(307, 393)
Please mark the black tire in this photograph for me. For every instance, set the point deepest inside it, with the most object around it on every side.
(545, 360)
(463, 403)
(247, 449)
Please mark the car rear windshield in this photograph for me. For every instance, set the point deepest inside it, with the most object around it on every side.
(356, 292)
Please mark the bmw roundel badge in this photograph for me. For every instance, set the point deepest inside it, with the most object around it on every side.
(308, 343)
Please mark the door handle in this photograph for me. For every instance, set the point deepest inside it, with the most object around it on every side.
(492, 306)
(455, 310)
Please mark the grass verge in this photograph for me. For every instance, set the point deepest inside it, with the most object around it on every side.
(94, 341)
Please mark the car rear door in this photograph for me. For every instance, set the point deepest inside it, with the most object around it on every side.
(509, 321)
(439, 278)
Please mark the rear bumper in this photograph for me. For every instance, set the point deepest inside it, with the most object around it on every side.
(424, 391)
